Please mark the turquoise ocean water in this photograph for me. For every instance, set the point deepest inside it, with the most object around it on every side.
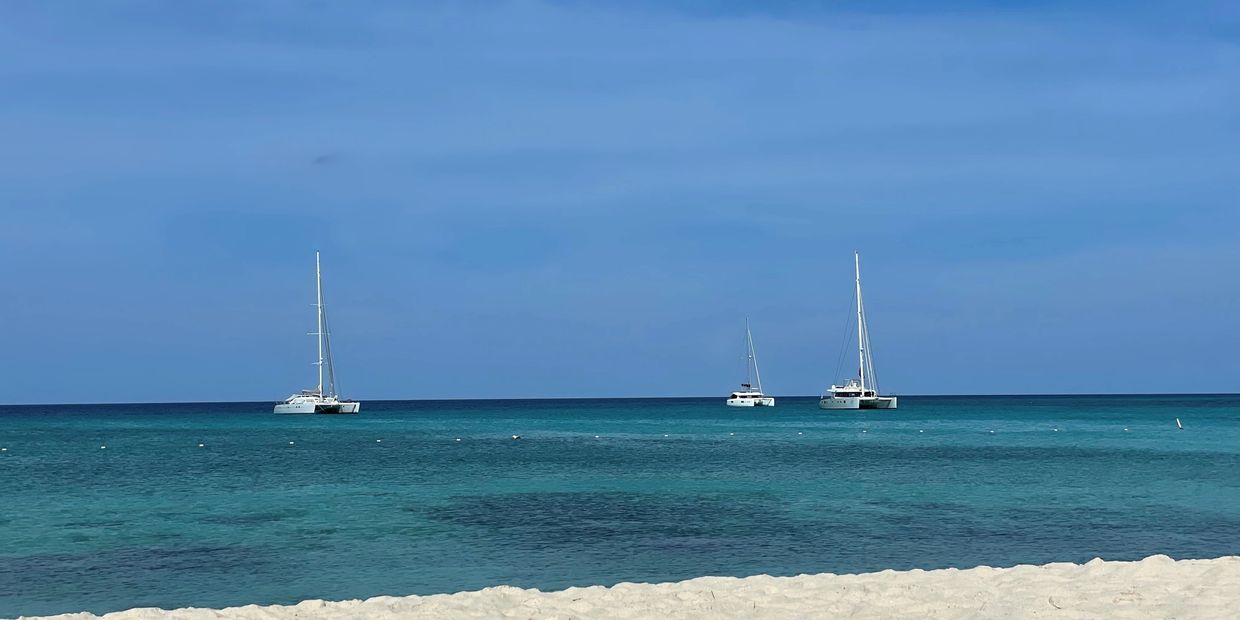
(389, 502)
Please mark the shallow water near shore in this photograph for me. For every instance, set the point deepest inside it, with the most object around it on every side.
(390, 502)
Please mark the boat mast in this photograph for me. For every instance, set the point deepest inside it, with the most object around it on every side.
(860, 325)
(318, 306)
(753, 355)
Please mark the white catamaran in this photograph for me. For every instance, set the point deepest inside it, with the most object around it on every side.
(747, 396)
(317, 400)
(862, 392)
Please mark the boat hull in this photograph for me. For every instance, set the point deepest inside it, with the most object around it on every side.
(765, 401)
(856, 402)
(318, 408)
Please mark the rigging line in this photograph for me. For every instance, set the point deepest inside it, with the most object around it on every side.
(869, 357)
(747, 361)
(844, 350)
(848, 333)
(327, 347)
(869, 351)
(753, 355)
(330, 388)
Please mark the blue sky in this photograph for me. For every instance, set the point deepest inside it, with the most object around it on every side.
(586, 199)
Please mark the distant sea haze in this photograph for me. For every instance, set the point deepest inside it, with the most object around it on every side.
(109, 507)
(135, 406)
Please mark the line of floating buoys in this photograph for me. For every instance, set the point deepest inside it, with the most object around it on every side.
(1178, 425)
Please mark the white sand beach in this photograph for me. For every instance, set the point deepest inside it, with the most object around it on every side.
(1156, 587)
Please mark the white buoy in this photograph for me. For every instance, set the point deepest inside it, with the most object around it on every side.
(199, 445)
(665, 435)
(516, 436)
(103, 447)
(731, 434)
(800, 433)
(290, 443)
(992, 432)
(4, 449)
(1178, 425)
(1125, 429)
(1055, 429)
(378, 441)
(458, 438)
(863, 430)
(921, 431)
(596, 436)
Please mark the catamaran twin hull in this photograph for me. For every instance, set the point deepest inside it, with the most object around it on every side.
(860, 392)
(323, 408)
(323, 398)
(857, 402)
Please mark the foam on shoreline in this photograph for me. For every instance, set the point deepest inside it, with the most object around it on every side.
(1154, 587)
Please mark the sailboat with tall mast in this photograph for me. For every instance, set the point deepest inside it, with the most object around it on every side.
(324, 398)
(747, 396)
(861, 392)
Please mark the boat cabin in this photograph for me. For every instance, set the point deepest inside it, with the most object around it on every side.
(746, 395)
(852, 389)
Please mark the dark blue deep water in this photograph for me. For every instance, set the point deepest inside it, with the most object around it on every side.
(669, 489)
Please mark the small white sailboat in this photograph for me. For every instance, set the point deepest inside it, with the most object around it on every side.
(747, 396)
(862, 392)
(320, 400)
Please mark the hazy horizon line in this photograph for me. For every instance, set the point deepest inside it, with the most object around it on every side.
(563, 398)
